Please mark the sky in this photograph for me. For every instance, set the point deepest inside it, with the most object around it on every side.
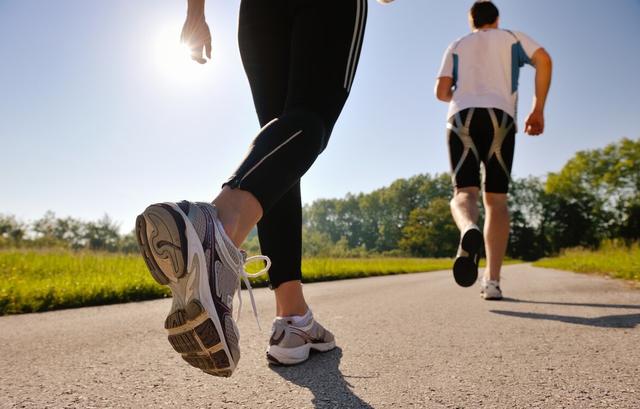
(100, 113)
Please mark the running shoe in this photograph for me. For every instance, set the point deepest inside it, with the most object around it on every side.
(465, 268)
(186, 248)
(291, 344)
(490, 290)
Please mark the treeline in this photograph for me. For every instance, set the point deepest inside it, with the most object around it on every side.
(54, 232)
(596, 196)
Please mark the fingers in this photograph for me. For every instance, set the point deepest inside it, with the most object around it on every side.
(197, 37)
(533, 128)
(197, 51)
(534, 124)
(196, 54)
(207, 47)
(530, 130)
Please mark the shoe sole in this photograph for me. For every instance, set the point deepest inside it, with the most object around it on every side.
(465, 269)
(293, 356)
(175, 258)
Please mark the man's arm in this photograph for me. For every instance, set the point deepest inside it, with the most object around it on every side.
(541, 60)
(444, 89)
(195, 32)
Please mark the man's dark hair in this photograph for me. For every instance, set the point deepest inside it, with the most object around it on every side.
(483, 13)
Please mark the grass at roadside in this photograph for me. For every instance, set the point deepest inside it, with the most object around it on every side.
(612, 259)
(327, 269)
(32, 281)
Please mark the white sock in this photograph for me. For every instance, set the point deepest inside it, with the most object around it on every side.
(469, 227)
(302, 320)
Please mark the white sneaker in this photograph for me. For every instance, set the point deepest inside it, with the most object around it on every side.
(291, 344)
(186, 248)
(490, 290)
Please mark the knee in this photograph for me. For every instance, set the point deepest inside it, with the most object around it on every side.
(465, 195)
(495, 202)
(310, 123)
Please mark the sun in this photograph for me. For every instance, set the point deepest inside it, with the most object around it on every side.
(172, 59)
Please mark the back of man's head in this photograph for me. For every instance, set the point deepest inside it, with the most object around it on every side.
(483, 13)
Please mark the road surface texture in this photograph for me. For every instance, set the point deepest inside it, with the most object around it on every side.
(560, 340)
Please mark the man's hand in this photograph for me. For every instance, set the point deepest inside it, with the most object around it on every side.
(196, 35)
(444, 89)
(534, 125)
(535, 121)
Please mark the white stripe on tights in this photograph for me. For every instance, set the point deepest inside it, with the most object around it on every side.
(269, 154)
(356, 33)
(359, 44)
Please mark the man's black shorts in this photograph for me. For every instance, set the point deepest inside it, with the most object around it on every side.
(481, 135)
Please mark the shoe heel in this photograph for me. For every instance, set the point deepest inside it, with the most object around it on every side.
(194, 336)
(472, 241)
(465, 269)
(162, 243)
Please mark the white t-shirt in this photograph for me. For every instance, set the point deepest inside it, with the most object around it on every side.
(485, 66)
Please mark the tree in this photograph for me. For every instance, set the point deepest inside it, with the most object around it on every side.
(526, 207)
(46, 225)
(71, 231)
(102, 235)
(603, 184)
(374, 221)
(12, 231)
(430, 231)
(128, 243)
(629, 228)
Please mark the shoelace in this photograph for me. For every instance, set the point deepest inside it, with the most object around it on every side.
(245, 276)
(240, 271)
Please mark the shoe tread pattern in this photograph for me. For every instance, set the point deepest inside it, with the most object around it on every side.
(194, 336)
(465, 269)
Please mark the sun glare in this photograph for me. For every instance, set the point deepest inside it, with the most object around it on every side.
(173, 62)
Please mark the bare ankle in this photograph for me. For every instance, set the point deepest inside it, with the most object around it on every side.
(230, 222)
(290, 299)
(239, 211)
(490, 276)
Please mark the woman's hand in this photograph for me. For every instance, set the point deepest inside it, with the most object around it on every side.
(195, 32)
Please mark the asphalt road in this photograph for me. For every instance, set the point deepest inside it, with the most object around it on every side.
(561, 340)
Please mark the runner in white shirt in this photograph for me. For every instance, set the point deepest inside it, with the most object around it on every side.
(479, 79)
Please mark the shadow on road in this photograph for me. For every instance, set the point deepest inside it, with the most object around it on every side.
(321, 375)
(571, 304)
(606, 321)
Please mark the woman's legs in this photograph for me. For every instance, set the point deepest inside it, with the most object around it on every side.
(239, 211)
(269, 85)
(280, 234)
(300, 57)
(320, 56)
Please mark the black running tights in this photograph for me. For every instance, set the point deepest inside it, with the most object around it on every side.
(300, 57)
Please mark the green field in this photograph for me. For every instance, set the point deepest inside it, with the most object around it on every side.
(32, 281)
(614, 260)
(45, 280)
